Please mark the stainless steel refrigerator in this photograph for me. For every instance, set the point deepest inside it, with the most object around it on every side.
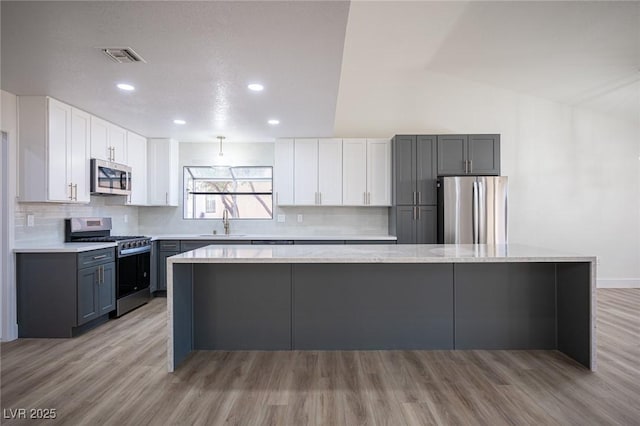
(472, 210)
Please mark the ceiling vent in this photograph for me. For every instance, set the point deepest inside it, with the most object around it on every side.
(122, 55)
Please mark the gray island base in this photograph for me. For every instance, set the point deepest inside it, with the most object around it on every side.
(381, 297)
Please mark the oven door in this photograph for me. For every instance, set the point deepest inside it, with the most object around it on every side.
(110, 178)
(134, 274)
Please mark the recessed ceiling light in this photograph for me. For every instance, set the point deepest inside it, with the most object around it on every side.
(178, 121)
(125, 86)
(256, 87)
(273, 122)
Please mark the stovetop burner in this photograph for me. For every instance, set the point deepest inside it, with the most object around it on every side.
(98, 230)
(108, 239)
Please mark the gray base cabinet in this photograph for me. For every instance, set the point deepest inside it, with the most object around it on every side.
(96, 292)
(313, 306)
(414, 224)
(356, 307)
(61, 294)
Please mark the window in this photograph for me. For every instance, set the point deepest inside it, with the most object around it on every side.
(246, 192)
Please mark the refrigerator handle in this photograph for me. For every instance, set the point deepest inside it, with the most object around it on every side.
(482, 211)
(474, 213)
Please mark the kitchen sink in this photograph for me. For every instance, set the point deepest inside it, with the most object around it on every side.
(222, 235)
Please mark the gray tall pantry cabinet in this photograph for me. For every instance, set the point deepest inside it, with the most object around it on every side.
(413, 213)
(417, 161)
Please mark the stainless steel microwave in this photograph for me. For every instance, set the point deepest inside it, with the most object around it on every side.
(110, 178)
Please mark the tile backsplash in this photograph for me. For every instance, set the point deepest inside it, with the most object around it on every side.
(49, 219)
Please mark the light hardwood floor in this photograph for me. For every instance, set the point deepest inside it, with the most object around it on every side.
(116, 374)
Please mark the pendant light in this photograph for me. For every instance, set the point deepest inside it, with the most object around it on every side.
(221, 138)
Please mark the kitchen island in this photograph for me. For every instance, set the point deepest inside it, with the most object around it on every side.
(379, 297)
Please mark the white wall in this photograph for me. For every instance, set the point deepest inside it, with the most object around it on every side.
(574, 174)
(316, 220)
(8, 124)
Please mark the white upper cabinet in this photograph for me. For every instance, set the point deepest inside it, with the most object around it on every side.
(79, 158)
(108, 141)
(283, 172)
(137, 160)
(100, 147)
(366, 172)
(53, 151)
(333, 172)
(305, 172)
(378, 172)
(354, 172)
(330, 172)
(118, 143)
(317, 172)
(162, 167)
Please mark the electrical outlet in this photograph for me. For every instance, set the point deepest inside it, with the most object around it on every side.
(281, 218)
(31, 220)
(299, 218)
(126, 218)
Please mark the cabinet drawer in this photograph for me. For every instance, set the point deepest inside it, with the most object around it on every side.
(170, 245)
(96, 257)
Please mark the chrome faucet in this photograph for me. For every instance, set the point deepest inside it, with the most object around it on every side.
(225, 221)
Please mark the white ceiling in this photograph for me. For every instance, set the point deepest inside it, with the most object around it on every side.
(201, 55)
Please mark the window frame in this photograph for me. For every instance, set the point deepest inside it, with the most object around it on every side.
(185, 170)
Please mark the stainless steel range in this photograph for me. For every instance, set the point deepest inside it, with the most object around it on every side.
(133, 259)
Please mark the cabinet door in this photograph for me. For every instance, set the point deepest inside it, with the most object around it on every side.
(452, 154)
(484, 154)
(354, 172)
(107, 289)
(87, 294)
(426, 173)
(283, 171)
(330, 172)
(405, 224)
(305, 172)
(426, 225)
(162, 176)
(118, 143)
(137, 155)
(100, 139)
(404, 169)
(378, 172)
(162, 268)
(79, 155)
(59, 116)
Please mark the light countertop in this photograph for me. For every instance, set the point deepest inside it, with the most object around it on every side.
(242, 237)
(36, 247)
(386, 253)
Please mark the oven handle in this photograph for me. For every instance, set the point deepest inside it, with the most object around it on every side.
(133, 251)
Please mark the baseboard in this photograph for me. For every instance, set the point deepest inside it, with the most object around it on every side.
(618, 283)
(12, 334)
